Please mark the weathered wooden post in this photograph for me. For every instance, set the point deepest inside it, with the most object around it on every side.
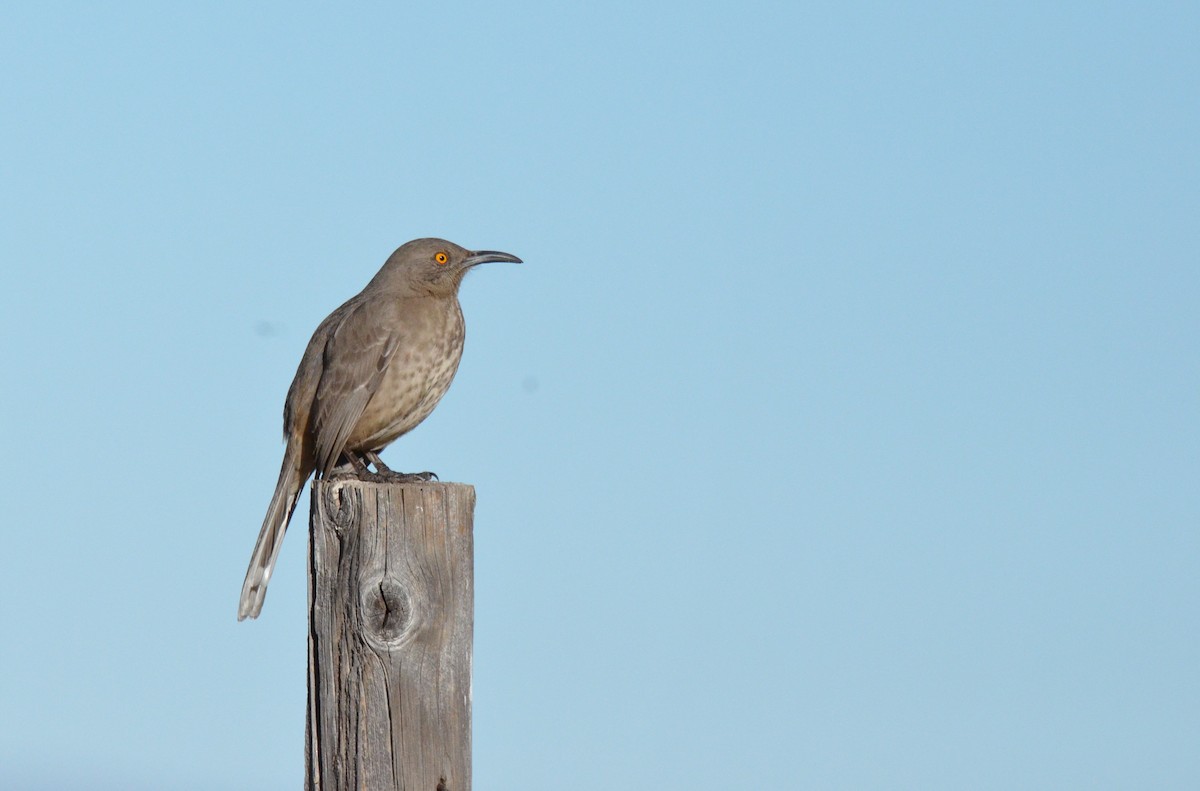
(391, 600)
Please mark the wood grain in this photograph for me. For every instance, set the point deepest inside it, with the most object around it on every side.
(391, 600)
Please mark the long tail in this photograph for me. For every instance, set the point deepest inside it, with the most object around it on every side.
(270, 538)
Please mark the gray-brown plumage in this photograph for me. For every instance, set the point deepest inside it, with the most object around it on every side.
(374, 369)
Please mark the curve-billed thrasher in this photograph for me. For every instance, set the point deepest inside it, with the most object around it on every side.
(373, 370)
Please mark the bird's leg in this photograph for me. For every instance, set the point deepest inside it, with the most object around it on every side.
(350, 468)
(354, 468)
(386, 474)
(359, 463)
(373, 457)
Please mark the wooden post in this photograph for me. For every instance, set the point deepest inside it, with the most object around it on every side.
(391, 601)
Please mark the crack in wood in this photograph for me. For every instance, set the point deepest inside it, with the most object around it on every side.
(390, 596)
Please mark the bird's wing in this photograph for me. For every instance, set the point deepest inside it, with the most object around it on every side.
(355, 357)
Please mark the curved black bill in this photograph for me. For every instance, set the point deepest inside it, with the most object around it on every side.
(489, 257)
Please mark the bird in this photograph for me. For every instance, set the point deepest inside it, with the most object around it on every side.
(374, 369)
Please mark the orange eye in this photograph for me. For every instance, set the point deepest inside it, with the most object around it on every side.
(441, 258)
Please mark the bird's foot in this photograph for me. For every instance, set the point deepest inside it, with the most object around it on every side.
(343, 474)
(391, 476)
(385, 474)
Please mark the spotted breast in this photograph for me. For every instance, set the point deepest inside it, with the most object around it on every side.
(417, 375)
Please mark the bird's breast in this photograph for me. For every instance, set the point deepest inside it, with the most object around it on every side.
(416, 377)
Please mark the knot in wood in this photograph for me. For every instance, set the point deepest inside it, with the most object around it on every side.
(343, 505)
(387, 610)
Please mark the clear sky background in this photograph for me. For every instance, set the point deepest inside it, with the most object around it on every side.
(840, 431)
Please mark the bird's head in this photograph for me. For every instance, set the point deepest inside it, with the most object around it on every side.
(435, 266)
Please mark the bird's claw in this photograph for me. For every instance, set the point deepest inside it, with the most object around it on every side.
(391, 476)
(385, 474)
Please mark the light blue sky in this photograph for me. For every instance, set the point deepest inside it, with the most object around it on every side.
(840, 432)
